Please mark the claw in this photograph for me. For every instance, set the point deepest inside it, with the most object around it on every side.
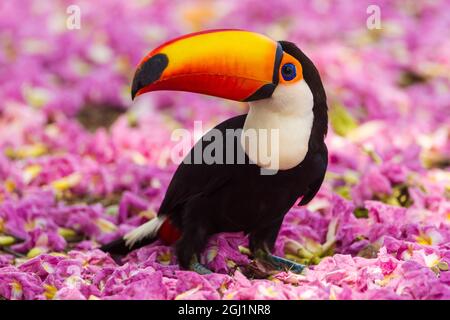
(266, 264)
(283, 264)
(199, 268)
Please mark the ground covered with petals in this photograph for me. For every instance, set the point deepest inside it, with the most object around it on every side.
(81, 165)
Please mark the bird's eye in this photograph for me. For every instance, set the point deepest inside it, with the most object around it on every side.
(288, 71)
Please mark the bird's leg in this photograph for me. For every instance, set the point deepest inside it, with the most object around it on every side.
(278, 263)
(286, 264)
(261, 244)
(198, 267)
(188, 248)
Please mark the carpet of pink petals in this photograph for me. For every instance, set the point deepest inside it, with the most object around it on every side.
(378, 229)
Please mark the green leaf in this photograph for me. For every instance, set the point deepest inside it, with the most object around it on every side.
(344, 191)
(361, 213)
(341, 120)
(6, 240)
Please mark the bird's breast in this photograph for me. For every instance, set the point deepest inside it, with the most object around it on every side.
(277, 142)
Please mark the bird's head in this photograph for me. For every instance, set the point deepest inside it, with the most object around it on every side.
(232, 64)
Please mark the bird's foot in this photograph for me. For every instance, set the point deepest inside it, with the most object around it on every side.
(265, 265)
(198, 267)
(284, 264)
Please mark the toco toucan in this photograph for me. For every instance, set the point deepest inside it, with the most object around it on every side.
(285, 96)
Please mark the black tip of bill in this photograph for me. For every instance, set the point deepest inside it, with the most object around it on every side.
(148, 72)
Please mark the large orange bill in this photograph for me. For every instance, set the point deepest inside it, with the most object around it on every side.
(231, 64)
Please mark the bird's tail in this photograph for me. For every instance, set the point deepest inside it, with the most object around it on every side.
(136, 238)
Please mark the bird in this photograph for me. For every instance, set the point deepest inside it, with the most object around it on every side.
(246, 184)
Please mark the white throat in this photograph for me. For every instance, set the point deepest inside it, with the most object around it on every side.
(282, 124)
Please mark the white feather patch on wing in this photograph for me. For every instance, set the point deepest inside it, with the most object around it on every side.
(148, 229)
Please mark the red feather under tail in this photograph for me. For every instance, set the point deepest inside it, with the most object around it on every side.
(168, 233)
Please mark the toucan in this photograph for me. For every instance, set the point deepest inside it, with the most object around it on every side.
(242, 190)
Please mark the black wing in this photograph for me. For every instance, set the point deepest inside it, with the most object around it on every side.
(191, 180)
(319, 165)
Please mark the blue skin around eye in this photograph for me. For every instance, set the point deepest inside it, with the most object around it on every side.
(290, 76)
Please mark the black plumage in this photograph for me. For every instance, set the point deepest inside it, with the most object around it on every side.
(204, 199)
